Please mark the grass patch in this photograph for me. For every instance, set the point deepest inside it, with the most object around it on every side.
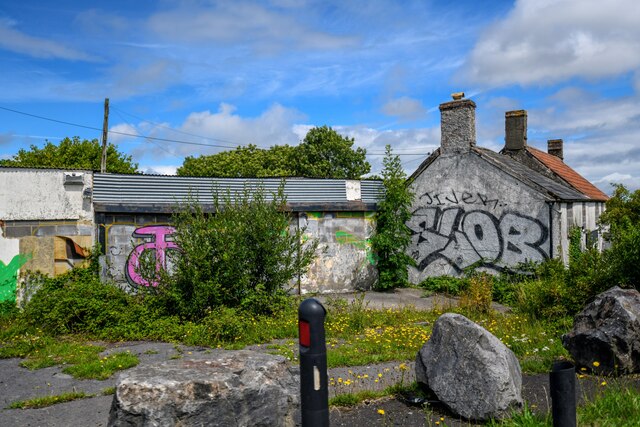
(617, 406)
(104, 367)
(63, 352)
(108, 391)
(353, 399)
(41, 402)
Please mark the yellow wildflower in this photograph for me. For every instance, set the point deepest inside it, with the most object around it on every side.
(596, 363)
(381, 411)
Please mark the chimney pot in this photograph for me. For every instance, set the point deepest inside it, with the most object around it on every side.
(515, 126)
(458, 125)
(555, 148)
(457, 96)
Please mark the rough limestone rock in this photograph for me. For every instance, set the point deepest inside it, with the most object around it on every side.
(470, 370)
(227, 388)
(607, 331)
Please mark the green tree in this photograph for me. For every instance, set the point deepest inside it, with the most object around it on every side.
(72, 154)
(322, 154)
(622, 216)
(392, 236)
(244, 161)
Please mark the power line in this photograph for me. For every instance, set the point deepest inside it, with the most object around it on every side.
(172, 129)
(201, 144)
(117, 132)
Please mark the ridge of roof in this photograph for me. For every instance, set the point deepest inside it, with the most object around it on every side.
(564, 171)
(525, 174)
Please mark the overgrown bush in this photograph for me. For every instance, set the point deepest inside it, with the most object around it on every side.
(77, 302)
(477, 296)
(242, 256)
(392, 236)
(453, 286)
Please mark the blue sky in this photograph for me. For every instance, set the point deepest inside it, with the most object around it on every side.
(228, 73)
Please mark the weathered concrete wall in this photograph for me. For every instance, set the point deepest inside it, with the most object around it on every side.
(42, 194)
(466, 210)
(46, 218)
(344, 259)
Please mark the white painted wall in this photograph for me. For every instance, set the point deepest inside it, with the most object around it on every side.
(40, 194)
(9, 248)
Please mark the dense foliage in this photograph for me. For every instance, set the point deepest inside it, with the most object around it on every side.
(72, 154)
(392, 236)
(322, 154)
(243, 256)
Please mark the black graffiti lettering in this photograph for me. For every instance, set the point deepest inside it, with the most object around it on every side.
(455, 198)
(467, 197)
(486, 201)
(437, 197)
(429, 200)
(464, 238)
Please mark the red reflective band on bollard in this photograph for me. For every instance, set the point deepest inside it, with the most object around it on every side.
(305, 333)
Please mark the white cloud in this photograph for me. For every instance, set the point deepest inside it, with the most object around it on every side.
(265, 30)
(551, 41)
(404, 108)
(629, 181)
(159, 169)
(16, 41)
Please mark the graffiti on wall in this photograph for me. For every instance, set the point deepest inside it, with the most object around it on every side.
(9, 277)
(156, 240)
(464, 237)
(344, 237)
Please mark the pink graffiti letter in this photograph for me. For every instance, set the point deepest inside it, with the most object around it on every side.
(158, 243)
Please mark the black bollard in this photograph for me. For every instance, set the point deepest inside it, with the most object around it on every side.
(314, 387)
(562, 382)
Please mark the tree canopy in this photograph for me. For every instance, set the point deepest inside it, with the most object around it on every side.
(323, 153)
(72, 153)
(244, 161)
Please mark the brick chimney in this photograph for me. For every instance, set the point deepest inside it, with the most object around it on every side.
(554, 147)
(515, 128)
(457, 124)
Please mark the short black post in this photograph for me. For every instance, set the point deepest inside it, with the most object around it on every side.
(562, 382)
(314, 387)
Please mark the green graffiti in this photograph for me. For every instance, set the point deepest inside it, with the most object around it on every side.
(344, 237)
(314, 215)
(9, 277)
(349, 214)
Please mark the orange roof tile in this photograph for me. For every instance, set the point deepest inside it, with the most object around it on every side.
(574, 179)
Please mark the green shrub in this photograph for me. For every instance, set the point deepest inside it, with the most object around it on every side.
(244, 255)
(478, 295)
(77, 302)
(449, 285)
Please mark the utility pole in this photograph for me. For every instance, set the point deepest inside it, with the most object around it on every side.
(105, 127)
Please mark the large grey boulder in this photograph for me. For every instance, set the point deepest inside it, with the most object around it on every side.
(470, 370)
(227, 388)
(607, 331)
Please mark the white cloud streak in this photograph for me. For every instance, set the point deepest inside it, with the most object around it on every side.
(16, 41)
(547, 42)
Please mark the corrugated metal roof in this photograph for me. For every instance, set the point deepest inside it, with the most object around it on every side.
(158, 189)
